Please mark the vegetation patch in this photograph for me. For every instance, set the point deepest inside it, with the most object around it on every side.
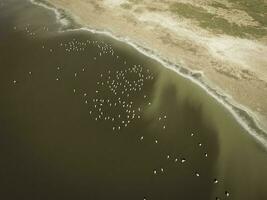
(216, 4)
(215, 23)
(257, 9)
(126, 5)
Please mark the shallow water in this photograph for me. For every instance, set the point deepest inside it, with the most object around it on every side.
(86, 117)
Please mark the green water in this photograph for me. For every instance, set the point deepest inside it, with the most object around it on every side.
(78, 122)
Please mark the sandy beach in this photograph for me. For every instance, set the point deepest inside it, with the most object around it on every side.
(234, 65)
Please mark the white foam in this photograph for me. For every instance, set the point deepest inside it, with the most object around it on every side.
(60, 19)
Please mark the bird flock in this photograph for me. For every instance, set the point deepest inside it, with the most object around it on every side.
(123, 86)
(118, 93)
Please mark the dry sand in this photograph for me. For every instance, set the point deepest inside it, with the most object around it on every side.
(236, 66)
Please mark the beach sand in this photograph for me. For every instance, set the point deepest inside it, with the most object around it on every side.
(234, 66)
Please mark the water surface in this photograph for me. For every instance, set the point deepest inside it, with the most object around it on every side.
(86, 117)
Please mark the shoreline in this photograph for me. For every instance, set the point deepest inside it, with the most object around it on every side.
(243, 115)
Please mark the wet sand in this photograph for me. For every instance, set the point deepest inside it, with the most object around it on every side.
(60, 93)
